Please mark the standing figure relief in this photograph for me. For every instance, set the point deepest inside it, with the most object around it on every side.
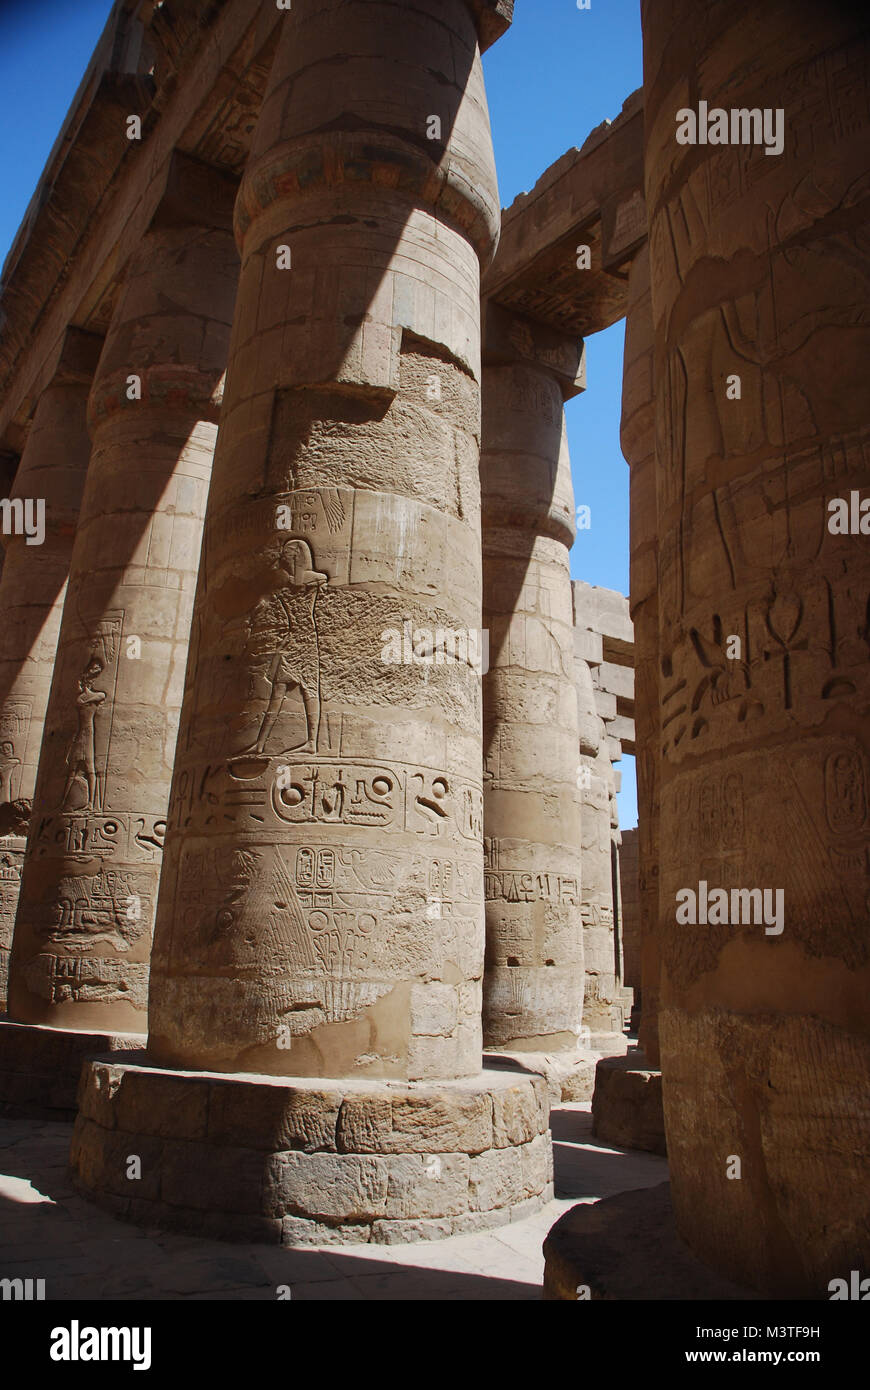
(296, 662)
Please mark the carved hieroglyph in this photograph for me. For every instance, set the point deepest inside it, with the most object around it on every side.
(51, 474)
(322, 891)
(759, 269)
(534, 982)
(89, 884)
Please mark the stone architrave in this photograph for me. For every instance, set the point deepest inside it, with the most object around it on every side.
(637, 438)
(38, 542)
(534, 980)
(89, 882)
(761, 308)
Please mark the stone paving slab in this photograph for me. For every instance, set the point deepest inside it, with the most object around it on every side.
(49, 1232)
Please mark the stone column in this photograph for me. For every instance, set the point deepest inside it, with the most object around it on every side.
(89, 884)
(760, 284)
(637, 437)
(602, 1008)
(321, 905)
(48, 492)
(628, 885)
(533, 986)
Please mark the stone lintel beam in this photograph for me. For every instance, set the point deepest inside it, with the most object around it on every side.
(509, 337)
(96, 197)
(591, 196)
(493, 18)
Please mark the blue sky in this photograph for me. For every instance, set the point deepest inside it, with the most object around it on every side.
(557, 74)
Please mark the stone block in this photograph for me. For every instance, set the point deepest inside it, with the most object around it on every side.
(434, 1010)
(421, 1186)
(587, 645)
(407, 1232)
(619, 727)
(213, 1177)
(296, 1230)
(273, 1117)
(516, 1117)
(100, 1158)
(605, 705)
(618, 680)
(338, 1187)
(627, 1104)
(171, 1107)
(496, 1179)
(365, 1124)
(537, 1165)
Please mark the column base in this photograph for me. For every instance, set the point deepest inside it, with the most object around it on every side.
(627, 1247)
(312, 1161)
(627, 1104)
(40, 1066)
(570, 1076)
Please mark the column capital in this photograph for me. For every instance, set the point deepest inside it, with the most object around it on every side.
(510, 337)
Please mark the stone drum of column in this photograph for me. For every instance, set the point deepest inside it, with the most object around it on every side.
(760, 291)
(89, 884)
(534, 983)
(321, 900)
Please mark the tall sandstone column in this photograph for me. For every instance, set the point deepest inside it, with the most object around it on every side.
(48, 485)
(89, 884)
(637, 437)
(759, 271)
(534, 982)
(321, 905)
(324, 859)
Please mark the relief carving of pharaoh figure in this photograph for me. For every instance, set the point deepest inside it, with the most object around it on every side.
(81, 755)
(291, 615)
(9, 766)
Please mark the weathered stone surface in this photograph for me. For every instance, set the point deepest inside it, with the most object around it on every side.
(38, 545)
(273, 1117)
(593, 196)
(627, 1247)
(344, 503)
(40, 1068)
(89, 881)
(637, 439)
(516, 1116)
(764, 755)
(496, 1178)
(223, 1180)
(630, 903)
(533, 983)
(426, 1123)
(627, 1104)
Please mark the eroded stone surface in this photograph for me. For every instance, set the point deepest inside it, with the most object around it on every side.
(627, 1247)
(533, 985)
(328, 920)
(765, 762)
(89, 883)
(627, 1103)
(462, 1154)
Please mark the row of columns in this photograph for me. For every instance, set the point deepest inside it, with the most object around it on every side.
(328, 846)
(106, 701)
